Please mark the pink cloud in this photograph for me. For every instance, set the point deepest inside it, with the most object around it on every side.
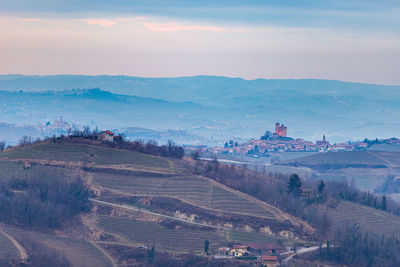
(31, 20)
(101, 22)
(170, 27)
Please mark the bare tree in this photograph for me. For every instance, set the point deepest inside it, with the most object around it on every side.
(2, 145)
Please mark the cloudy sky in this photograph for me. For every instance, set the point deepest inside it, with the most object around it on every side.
(351, 40)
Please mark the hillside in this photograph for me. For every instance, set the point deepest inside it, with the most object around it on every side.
(78, 252)
(141, 200)
(93, 153)
(169, 205)
(368, 219)
(7, 249)
(367, 169)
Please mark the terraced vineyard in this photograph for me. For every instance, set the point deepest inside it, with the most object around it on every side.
(152, 234)
(7, 248)
(78, 252)
(197, 191)
(179, 240)
(78, 152)
(368, 219)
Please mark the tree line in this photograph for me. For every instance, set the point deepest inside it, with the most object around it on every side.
(44, 200)
(151, 147)
(352, 247)
(304, 199)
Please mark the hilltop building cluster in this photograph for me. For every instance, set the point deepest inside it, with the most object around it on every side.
(280, 142)
(59, 126)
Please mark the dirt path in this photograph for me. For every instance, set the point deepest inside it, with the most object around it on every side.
(21, 250)
(158, 214)
(391, 164)
(277, 213)
(78, 164)
(60, 163)
(302, 251)
(187, 202)
(280, 215)
(105, 253)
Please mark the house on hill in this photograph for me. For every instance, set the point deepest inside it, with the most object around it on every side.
(268, 260)
(262, 248)
(239, 250)
(224, 251)
(27, 164)
(106, 136)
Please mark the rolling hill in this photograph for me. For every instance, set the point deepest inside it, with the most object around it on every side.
(368, 219)
(367, 169)
(78, 252)
(238, 108)
(223, 215)
(148, 200)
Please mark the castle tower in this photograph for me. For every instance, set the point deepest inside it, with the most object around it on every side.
(280, 130)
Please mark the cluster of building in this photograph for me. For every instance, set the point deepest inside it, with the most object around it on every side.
(279, 142)
(59, 126)
(265, 254)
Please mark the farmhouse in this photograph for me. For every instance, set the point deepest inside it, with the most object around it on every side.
(238, 250)
(27, 164)
(106, 136)
(224, 251)
(266, 253)
(268, 260)
(259, 249)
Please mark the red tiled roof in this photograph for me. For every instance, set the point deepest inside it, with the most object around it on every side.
(261, 245)
(240, 246)
(269, 258)
(108, 132)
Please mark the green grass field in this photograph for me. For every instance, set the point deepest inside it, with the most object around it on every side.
(177, 240)
(368, 219)
(78, 152)
(194, 190)
(7, 248)
(78, 252)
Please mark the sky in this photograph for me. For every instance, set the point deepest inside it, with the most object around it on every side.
(350, 40)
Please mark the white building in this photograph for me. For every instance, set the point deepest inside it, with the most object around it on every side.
(106, 136)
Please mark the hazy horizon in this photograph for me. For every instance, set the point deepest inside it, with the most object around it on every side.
(336, 40)
(195, 75)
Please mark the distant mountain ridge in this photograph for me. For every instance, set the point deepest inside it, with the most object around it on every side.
(215, 108)
(193, 85)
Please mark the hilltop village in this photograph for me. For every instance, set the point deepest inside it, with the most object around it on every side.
(278, 141)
